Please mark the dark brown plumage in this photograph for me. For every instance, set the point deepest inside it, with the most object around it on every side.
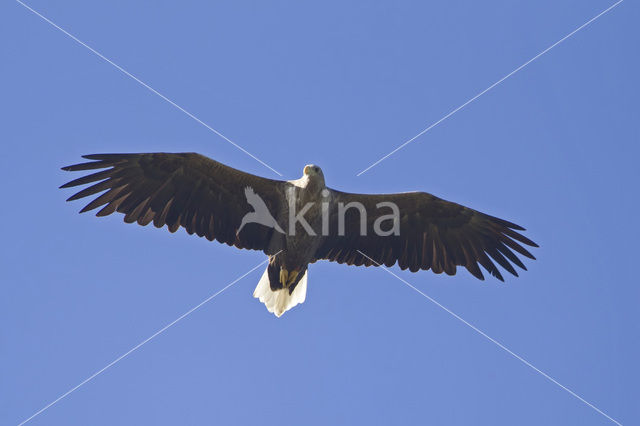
(210, 199)
(190, 190)
(434, 234)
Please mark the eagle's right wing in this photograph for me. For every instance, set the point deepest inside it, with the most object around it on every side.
(190, 190)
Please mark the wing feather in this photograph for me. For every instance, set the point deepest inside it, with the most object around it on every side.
(186, 190)
(434, 234)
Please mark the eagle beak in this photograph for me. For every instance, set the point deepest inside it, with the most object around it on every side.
(306, 170)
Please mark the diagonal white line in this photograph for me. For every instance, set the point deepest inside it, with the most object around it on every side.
(490, 87)
(491, 339)
(136, 347)
(127, 73)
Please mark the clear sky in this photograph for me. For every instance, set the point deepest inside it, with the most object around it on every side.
(553, 148)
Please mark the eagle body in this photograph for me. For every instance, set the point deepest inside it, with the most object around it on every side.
(298, 222)
(294, 249)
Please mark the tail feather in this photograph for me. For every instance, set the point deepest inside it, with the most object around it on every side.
(280, 301)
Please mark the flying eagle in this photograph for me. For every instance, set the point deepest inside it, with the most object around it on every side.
(298, 222)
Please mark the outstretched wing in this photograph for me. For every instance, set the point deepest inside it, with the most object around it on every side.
(433, 234)
(190, 190)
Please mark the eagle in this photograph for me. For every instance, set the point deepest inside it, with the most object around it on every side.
(298, 222)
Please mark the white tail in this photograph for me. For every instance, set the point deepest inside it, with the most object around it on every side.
(280, 301)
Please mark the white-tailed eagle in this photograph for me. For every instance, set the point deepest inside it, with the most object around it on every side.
(298, 222)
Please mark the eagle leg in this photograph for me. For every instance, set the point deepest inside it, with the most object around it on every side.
(292, 277)
(284, 276)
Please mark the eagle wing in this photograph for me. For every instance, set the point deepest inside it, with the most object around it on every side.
(184, 189)
(433, 234)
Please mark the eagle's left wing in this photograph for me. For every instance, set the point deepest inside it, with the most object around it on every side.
(433, 234)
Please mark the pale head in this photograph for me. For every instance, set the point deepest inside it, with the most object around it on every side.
(313, 173)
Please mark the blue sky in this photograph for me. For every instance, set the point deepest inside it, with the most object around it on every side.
(553, 148)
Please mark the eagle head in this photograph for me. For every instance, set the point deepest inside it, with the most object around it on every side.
(314, 175)
(312, 170)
